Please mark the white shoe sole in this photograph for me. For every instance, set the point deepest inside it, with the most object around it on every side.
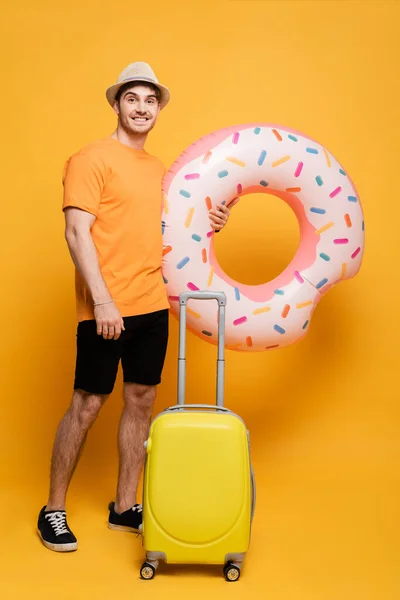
(122, 528)
(59, 547)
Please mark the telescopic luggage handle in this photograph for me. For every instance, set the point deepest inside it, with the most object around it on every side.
(220, 297)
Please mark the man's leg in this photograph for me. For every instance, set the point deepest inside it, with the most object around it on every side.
(133, 431)
(143, 355)
(96, 369)
(68, 444)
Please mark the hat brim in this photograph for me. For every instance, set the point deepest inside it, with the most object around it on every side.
(112, 91)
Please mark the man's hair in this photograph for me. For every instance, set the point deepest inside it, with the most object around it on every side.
(132, 84)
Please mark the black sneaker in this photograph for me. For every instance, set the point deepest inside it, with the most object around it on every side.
(54, 531)
(130, 520)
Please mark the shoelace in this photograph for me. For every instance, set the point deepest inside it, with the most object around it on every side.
(57, 521)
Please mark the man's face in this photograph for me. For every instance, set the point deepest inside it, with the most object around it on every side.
(138, 109)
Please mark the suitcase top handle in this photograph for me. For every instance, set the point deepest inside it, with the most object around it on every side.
(220, 297)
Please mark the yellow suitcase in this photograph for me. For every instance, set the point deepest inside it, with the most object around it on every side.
(199, 492)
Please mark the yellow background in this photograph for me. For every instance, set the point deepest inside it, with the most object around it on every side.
(323, 413)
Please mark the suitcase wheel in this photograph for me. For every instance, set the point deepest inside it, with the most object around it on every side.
(231, 572)
(147, 571)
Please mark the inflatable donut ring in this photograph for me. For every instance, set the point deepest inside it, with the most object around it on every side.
(259, 158)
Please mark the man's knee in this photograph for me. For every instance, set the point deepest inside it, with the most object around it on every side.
(87, 406)
(139, 398)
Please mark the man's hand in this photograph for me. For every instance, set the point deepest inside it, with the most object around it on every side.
(109, 321)
(219, 217)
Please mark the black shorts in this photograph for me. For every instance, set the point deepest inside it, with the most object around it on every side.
(141, 349)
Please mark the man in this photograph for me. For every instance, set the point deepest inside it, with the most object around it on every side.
(112, 205)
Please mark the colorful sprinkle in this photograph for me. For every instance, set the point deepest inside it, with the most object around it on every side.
(347, 219)
(189, 218)
(249, 341)
(270, 347)
(236, 137)
(260, 311)
(183, 262)
(298, 277)
(222, 174)
(305, 324)
(237, 293)
(193, 313)
(264, 183)
(210, 276)
(280, 161)
(163, 227)
(206, 157)
(192, 176)
(285, 311)
(324, 228)
(240, 321)
(261, 158)
(208, 203)
(208, 333)
(196, 238)
(352, 198)
(185, 193)
(342, 172)
(312, 150)
(318, 211)
(321, 283)
(325, 257)
(192, 287)
(292, 137)
(293, 190)
(335, 192)
(236, 161)
(304, 304)
(319, 180)
(277, 135)
(279, 292)
(356, 252)
(174, 298)
(279, 329)
(328, 160)
(166, 206)
(344, 267)
(210, 233)
(204, 255)
(362, 226)
(341, 241)
(166, 250)
(164, 279)
(257, 130)
(299, 169)
(239, 188)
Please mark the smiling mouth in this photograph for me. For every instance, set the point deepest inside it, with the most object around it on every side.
(140, 119)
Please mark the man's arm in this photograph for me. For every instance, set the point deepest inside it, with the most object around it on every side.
(83, 252)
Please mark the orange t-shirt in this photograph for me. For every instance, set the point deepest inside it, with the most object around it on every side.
(122, 188)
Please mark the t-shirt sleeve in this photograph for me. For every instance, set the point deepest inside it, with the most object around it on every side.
(83, 180)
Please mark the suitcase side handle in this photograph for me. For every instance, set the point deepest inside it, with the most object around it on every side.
(220, 297)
